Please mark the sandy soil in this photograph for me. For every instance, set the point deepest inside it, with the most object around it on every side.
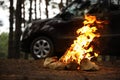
(11, 69)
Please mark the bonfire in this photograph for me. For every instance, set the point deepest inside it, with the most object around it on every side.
(78, 56)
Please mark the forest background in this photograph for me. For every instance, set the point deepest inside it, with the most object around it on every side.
(16, 14)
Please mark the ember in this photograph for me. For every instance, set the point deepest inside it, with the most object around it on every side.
(80, 51)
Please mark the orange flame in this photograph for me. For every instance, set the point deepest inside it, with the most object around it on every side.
(81, 47)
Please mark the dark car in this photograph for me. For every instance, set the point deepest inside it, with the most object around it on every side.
(48, 37)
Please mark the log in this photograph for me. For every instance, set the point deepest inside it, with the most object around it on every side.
(57, 65)
(54, 63)
(86, 65)
(49, 60)
(72, 66)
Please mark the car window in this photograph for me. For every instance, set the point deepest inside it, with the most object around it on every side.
(115, 5)
(93, 1)
(78, 9)
(72, 8)
(81, 8)
(116, 2)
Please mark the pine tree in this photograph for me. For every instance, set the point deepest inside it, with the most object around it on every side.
(40, 7)
(18, 28)
(35, 9)
(61, 4)
(46, 9)
(30, 11)
(11, 40)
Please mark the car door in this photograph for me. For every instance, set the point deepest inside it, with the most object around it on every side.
(65, 32)
(68, 22)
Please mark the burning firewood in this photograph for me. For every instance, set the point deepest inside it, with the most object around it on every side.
(86, 64)
(54, 63)
(72, 65)
(79, 53)
(57, 65)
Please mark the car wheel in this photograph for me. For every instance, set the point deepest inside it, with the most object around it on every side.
(41, 47)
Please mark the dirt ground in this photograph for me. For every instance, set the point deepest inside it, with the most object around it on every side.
(11, 69)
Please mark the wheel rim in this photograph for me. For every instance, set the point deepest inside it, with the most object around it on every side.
(41, 48)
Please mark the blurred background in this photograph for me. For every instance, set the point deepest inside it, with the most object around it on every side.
(15, 14)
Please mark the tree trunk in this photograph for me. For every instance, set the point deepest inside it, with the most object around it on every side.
(70, 0)
(67, 2)
(10, 41)
(18, 29)
(30, 11)
(40, 7)
(23, 18)
(35, 10)
(61, 5)
(46, 2)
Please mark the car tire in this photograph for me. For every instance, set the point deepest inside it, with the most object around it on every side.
(42, 47)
